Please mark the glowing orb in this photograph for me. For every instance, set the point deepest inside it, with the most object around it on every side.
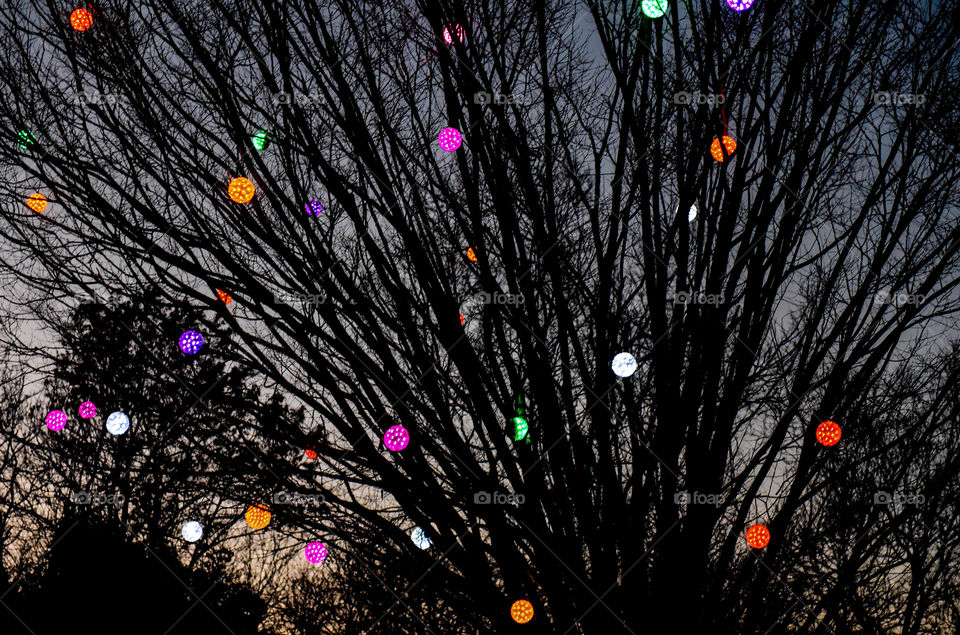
(740, 5)
(224, 296)
(521, 611)
(728, 144)
(471, 255)
(56, 419)
(241, 190)
(118, 423)
(521, 427)
(420, 538)
(450, 139)
(257, 516)
(192, 531)
(396, 438)
(81, 20)
(261, 140)
(37, 202)
(692, 214)
(828, 433)
(448, 36)
(624, 364)
(191, 342)
(758, 536)
(311, 454)
(87, 410)
(316, 552)
(313, 208)
(461, 319)
(654, 8)
(27, 138)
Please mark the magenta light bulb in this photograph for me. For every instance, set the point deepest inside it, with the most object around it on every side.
(448, 37)
(396, 438)
(315, 552)
(56, 420)
(87, 410)
(313, 208)
(740, 5)
(450, 139)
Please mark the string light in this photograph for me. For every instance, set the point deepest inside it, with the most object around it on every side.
(241, 190)
(740, 5)
(828, 433)
(257, 516)
(315, 553)
(56, 420)
(728, 144)
(654, 8)
(420, 538)
(192, 531)
(624, 364)
(521, 611)
(313, 208)
(118, 423)
(261, 140)
(471, 254)
(87, 410)
(37, 202)
(191, 342)
(450, 139)
(448, 36)
(396, 438)
(81, 20)
(758, 536)
(224, 296)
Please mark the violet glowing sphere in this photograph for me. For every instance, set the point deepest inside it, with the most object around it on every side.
(87, 410)
(396, 438)
(316, 552)
(740, 5)
(313, 208)
(56, 420)
(450, 139)
(191, 342)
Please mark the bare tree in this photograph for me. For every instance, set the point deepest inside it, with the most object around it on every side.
(819, 265)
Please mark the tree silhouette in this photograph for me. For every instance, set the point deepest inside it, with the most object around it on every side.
(816, 279)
